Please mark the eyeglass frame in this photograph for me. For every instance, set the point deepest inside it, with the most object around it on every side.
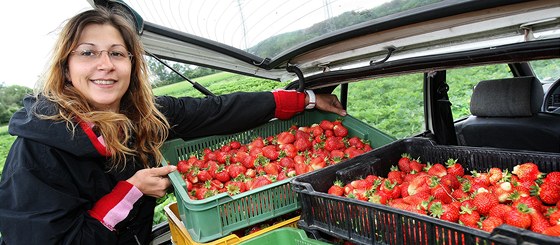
(100, 52)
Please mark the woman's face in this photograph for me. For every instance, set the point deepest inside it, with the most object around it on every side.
(100, 66)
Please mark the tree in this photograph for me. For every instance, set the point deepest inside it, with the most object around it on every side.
(11, 100)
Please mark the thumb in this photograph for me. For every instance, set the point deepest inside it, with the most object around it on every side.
(165, 170)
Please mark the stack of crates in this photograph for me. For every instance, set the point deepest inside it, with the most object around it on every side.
(369, 223)
(218, 216)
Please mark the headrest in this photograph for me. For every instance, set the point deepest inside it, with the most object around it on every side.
(510, 97)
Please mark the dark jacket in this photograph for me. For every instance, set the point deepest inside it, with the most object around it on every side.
(51, 178)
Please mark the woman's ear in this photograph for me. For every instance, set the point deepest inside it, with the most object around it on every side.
(67, 75)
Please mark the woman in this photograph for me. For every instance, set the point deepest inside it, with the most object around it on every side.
(83, 169)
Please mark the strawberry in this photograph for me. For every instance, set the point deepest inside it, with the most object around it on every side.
(316, 130)
(235, 170)
(494, 175)
(446, 212)
(317, 163)
(259, 182)
(222, 175)
(554, 218)
(285, 137)
(440, 192)
(271, 168)
(552, 177)
(548, 192)
(356, 142)
(451, 181)
(416, 166)
(469, 217)
(418, 184)
(529, 201)
(270, 152)
(404, 163)
(204, 175)
(538, 222)
(519, 217)
(490, 223)
(527, 171)
(502, 191)
(454, 168)
(500, 211)
(182, 166)
(352, 152)
(303, 144)
(337, 188)
(436, 170)
(340, 130)
(395, 175)
(326, 125)
(484, 201)
(552, 231)
(302, 168)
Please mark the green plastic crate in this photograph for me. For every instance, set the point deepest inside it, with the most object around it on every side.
(217, 216)
(283, 236)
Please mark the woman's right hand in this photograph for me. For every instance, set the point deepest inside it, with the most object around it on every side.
(153, 181)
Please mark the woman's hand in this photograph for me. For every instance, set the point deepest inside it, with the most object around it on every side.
(152, 181)
(330, 103)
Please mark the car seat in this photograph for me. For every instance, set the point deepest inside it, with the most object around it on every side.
(506, 114)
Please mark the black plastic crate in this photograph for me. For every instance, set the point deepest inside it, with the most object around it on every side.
(369, 223)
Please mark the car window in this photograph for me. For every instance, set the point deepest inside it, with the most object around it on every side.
(462, 81)
(393, 105)
(547, 71)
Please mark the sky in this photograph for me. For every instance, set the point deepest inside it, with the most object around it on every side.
(29, 30)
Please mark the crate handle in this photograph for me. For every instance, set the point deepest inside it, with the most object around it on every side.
(301, 187)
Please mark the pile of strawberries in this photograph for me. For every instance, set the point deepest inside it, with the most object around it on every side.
(235, 168)
(525, 198)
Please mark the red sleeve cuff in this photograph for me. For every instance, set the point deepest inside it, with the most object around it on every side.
(115, 206)
(288, 103)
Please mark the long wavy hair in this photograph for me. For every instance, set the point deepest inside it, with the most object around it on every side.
(139, 129)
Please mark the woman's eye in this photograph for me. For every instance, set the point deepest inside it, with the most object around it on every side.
(87, 53)
(117, 54)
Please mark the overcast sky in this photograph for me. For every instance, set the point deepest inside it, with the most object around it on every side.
(29, 30)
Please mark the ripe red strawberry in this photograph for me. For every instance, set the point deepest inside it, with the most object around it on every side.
(352, 152)
(451, 181)
(285, 137)
(490, 223)
(395, 175)
(340, 130)
(416, 166)
(182, 166)
(303, 144)
(302, 168)
(446, 212)
(326, 124)
(539, 223)
(271, 168)
(439, 191)
(256, 143)
(454, 168)
(317, 163)
(404, 163)
(554, 218)
(500, 210)
(548, 192)
(337, 188)
(235, 170)
(204, 175)
(519, 217)
(552, 231)
(418, 184)
(552, 177)
(259, 182)
(222, 175)
(484, 201)
(315, 130)
(356, 142)
(529, 201)
(270, 152)
(527, 171)
(469, 217)
(436, 169)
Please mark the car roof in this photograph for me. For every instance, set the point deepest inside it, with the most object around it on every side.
(351, 38)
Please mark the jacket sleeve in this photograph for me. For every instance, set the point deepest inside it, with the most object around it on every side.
(226, 114)
(41, 204)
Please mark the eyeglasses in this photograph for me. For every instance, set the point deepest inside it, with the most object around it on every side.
(91, 55)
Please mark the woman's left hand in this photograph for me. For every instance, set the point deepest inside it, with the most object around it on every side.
(329, 103)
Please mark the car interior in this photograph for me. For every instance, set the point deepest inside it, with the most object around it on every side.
(506, 113)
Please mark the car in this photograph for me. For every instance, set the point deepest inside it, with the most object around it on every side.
(458, 72)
